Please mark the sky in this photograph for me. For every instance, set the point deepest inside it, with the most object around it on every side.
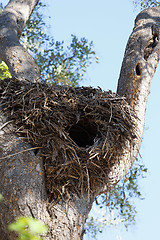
(109, 25)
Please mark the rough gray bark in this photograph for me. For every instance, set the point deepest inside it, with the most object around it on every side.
(12, 23)
(23, 188)
(139, 64)
(22, 174)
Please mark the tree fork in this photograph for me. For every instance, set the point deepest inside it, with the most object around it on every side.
(23, 184)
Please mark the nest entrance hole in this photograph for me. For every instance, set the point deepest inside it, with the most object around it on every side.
(83, 132)
(138, 69)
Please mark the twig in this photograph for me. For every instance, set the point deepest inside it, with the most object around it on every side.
(14, 154)
(5, 124)
(88, 182)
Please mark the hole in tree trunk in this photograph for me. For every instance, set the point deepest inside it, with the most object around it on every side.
(155, 40)
(138, 69)
(150, 46)
(83, 133)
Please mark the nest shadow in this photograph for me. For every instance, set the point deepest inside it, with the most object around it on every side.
(80, 132)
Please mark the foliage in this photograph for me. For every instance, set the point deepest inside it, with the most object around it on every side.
(58, 63)
(146, 3)
(95, 225)
(28, 228)
(61, 64)
(1, 7)
(4, 72)
(65, 67)
(117, 206)
(1, 197)
(121, 197)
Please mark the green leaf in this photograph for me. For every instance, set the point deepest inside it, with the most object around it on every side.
(28, 228)
(4, 72)
(36, 226)
(1, 197)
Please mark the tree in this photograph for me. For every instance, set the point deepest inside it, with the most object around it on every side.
(70, 62)
(146, 3)
(134, 100)
(78, 56)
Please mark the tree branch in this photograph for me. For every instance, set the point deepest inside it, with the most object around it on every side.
(12, 22)
(139, 64)
(23, 174)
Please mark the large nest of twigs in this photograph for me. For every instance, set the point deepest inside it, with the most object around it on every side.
(80, 132)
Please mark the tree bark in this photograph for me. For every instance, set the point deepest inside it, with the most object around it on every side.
(22, 174)
(23, 188)
(21, 171)
(139, 65)
(12, 22)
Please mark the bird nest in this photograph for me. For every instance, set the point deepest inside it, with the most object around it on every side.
(80, 132)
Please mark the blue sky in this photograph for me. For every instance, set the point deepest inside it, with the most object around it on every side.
(109, 25)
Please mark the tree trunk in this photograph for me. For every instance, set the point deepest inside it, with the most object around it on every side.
(21, 171)
(23, 188)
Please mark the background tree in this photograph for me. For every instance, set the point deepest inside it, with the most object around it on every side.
(146, 3)
(58, 63)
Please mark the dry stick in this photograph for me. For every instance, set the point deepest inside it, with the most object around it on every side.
(14, 154)
(88, 182)
(5, 124)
